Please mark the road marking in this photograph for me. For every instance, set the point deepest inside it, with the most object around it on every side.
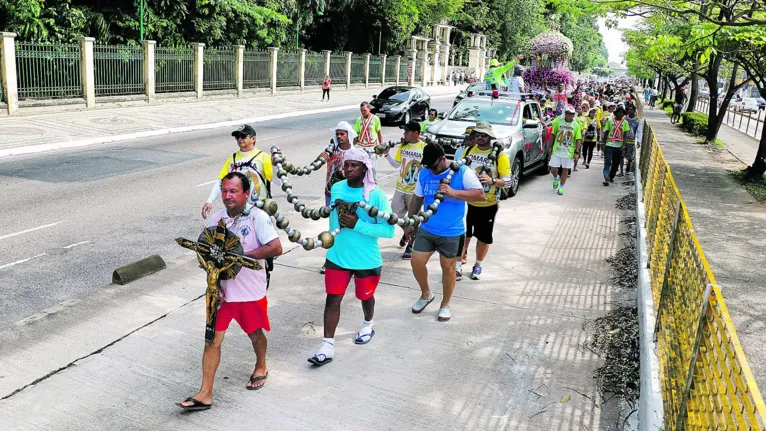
(76, 244)
(207, 183)
(8, 265)
(30, 230)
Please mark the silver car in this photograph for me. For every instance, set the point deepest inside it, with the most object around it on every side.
(516, 124)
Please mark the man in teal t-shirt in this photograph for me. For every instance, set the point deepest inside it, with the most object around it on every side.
(355, 252)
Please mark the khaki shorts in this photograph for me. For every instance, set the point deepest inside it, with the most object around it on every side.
(400, 203)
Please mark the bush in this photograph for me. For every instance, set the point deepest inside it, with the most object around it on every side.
(667, 102)
(694, 123)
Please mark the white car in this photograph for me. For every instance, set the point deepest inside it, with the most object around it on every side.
(746, 104)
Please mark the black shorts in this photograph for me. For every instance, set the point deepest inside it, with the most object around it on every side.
(480, 222)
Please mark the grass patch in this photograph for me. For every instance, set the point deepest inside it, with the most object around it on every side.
(756, 188)
(718, 143)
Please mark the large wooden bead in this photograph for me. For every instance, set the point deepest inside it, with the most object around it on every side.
(439, 196)
(282, 224)
(315, 214)
(295, 235)
(433, 208)
(299, 206)
(324, 212)
(270, 206)
(454, 166)
(373, 211)
(446, 180)
(281, 173)
(309, 244)
(306, 212)
(467, 162)
(326, 239)
(425, 216)
(291, 197)
(276, 159)
(286, 185)
(492, 156)
(393, 218)
(288, 166)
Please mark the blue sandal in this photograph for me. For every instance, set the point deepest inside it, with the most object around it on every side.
(360, 339)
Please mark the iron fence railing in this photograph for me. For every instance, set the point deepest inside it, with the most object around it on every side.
(219, 69)
(404, 70)
(357, 68)
(375, 75)
(749, 122)
(257, 66)
(118, 70)
(47, 71)
(173, 69)
(338, 68)
(391, 69)
(315, 67)
(288, 69)
(418, 71)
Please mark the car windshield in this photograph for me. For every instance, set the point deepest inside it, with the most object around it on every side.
(400, 94)
(499, 112)
(477, 87)
(752, 92)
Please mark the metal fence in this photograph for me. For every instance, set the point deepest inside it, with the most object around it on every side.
(315, 66)
(338, 68)
(118, 70)
(391, 70)
(48, 71)
(256, 73)
(376, 72)
(404, 70)
(746, 121)
(219, 69)
(173, 69)
(357, 68)
(418, 71)
(288, 69)
(706, 381)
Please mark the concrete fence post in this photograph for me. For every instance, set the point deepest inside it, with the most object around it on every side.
(302, 70)
(240, 71)
(348, 69)
(327, 57)
(150, 81)
(398, 68)
(87, 71)
(367, 70)
(273, 69)
(199, 67)
(383, 59)
(8, 72)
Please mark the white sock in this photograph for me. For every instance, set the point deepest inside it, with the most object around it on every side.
(478, 263)
(327, 349)
(366, 328)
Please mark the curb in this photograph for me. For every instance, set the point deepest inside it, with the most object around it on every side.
(133, 271)
(650, 406)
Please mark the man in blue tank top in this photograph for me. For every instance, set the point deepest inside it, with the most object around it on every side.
(444, 232)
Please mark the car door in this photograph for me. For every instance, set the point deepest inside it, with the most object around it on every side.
(422, 104)
(538, 146)
(529, 134)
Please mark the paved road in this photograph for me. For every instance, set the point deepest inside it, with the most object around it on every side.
(70, 217)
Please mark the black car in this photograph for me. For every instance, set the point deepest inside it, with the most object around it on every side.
(401, 104)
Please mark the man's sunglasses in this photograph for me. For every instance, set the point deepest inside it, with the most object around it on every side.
(481, 135)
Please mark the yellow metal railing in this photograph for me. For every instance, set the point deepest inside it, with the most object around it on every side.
(706, 381)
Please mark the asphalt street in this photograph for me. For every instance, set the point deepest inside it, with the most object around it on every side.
(71, 217)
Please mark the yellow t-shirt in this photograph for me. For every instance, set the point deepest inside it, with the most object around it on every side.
(409, 155)
(479, 159)
(256, 165)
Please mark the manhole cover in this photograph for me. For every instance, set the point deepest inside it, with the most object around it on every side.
(21, 131)
(112, 120)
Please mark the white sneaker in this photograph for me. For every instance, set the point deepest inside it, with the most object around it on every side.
(444, 314)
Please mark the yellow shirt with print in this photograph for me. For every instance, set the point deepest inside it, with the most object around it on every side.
(479, 159)
(255, 165)
(409, 155)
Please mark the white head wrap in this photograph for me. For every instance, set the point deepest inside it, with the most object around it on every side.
(344, 125)
(359, 155)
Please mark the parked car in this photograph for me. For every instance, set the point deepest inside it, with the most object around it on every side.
(471, 91)
(746, 104)
(398, 105)
(516, 123)
(704, 93)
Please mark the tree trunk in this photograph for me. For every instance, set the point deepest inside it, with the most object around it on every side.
(694, 93)
(757, 169)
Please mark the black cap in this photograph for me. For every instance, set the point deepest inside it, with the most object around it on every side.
(431, 153)
(244, 130)
(411, 126)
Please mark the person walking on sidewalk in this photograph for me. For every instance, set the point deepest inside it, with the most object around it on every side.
(629, 150)
(326, 82)
(252, 162)
(407, 159)
(356, 252)
(243, 297)
(444, 231)
(493, 175)
(567, 141)
(616, 130)
(591, 132)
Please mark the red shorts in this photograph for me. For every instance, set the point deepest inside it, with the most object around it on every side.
(336, 280)
(251, 316)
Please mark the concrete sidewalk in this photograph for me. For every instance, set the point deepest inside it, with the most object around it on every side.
(110, 121)
(729, 222)
(512, 357)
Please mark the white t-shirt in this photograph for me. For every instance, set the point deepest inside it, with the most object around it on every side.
(253, 230)
(515, 84)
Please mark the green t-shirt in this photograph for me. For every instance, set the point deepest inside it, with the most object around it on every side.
(567, 135)
(614, 133)
(370, 137)
(424, 125)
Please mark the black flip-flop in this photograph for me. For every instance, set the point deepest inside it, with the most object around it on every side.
(254, 379)
(195, 407)
(315, 360)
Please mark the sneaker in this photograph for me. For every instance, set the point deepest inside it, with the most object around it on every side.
(421, 304)
(407, 255)
(321, 270)
(476, 272)
(403, 241)
(606, 183)
(560, 191)
(621, 174)
(555, 183)
(587, 166)
(444, 314)
(611, 180)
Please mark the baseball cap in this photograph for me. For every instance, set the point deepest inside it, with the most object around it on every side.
(244, 130)
(431, 153)
(411, 126)
(570, 110)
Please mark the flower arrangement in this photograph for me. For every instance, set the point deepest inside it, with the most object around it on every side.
(552, 45)
(541, 78)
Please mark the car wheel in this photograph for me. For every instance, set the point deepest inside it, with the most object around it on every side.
(406, 117)
(515, 177)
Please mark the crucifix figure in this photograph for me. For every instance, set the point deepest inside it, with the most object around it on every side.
(220, 254)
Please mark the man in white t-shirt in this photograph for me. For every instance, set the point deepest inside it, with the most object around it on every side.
(243, 298)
